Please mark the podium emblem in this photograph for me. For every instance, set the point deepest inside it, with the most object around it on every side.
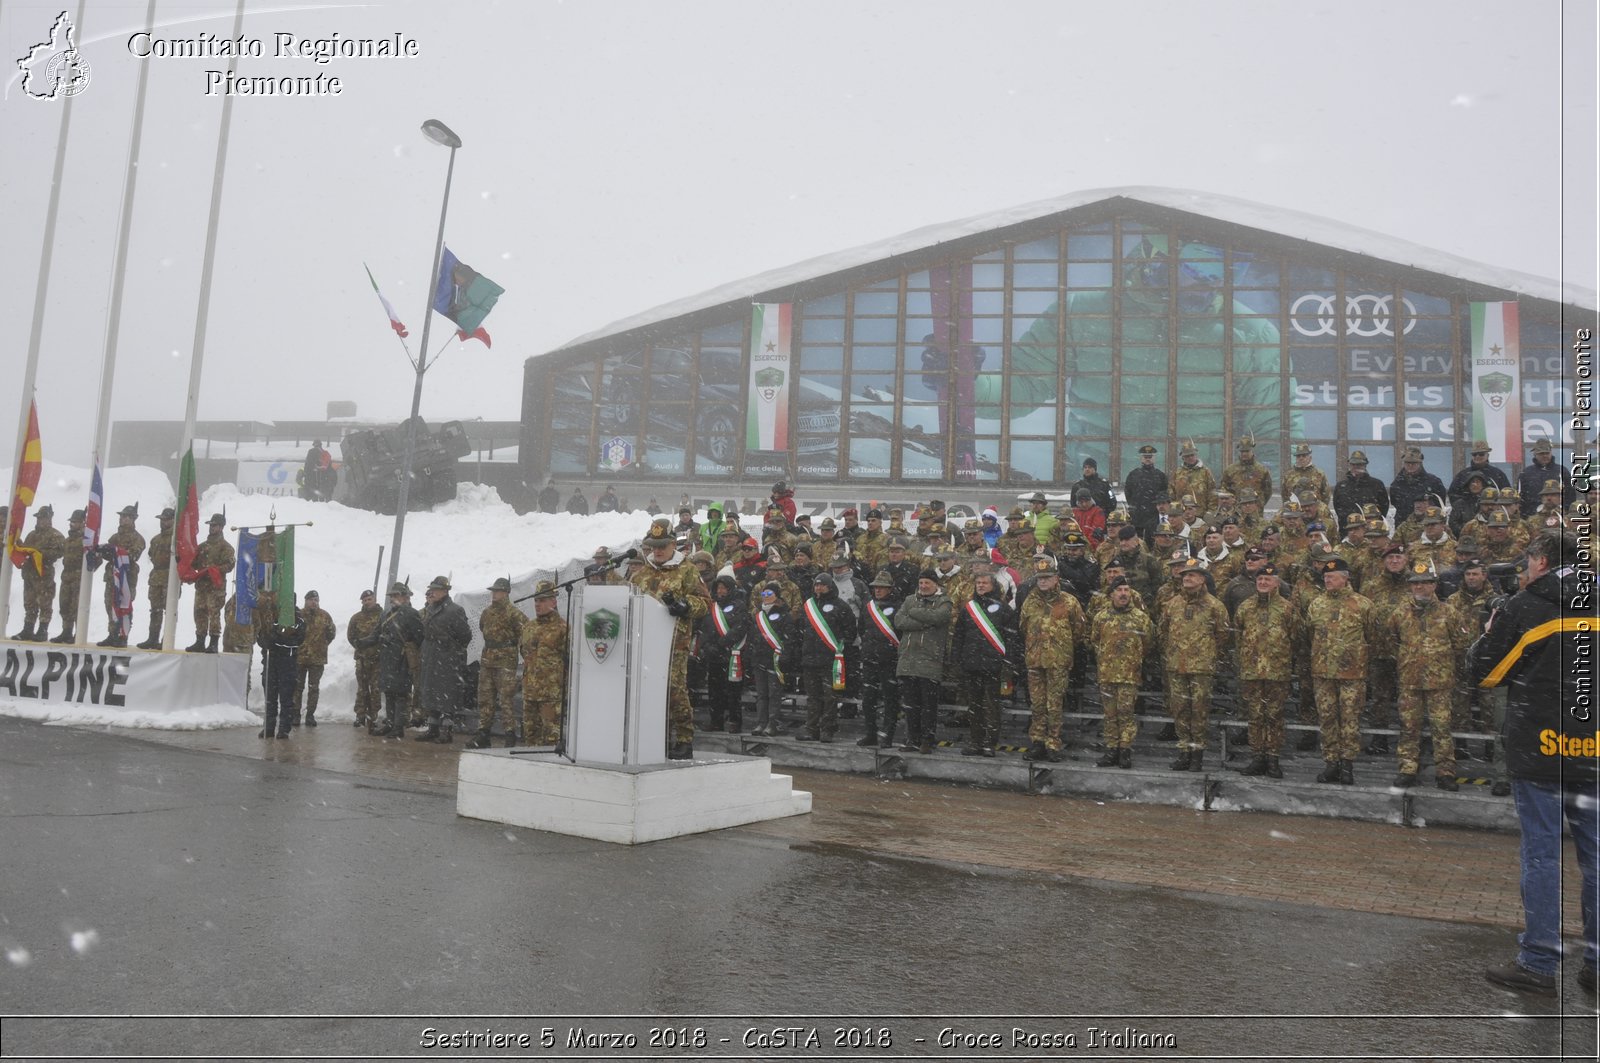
(600, 630)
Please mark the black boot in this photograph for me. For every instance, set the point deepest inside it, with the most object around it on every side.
(1036, 751)
(211, 644)
(1273, 770)
(1347, 773)
(430, 735)
(154, 641)
(1169, 733)
(1125, 757)
(1257, 765)
(1109, 760)
(66, 637)
(113, 641)
(481, 740)
(1379, 744)
(681, 751)
(511, 740)
(26, 634)
(198, 645)
(1330, 771)
(1405, 780)
(1197, 760)
(1182, 761)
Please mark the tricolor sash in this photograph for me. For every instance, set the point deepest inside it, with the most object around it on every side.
(769, 634)
(819, 624)
(736, 663)
(881, 622)
(986, 626)
(719, 621)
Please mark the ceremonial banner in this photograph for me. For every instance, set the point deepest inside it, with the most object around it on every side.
(246, 578)
(465, 296)
(283, 578)
(91, 514)
(27, 483)
(767, 425)
(186, 540)
(123, 584)
(129, 684)
(1497, 379)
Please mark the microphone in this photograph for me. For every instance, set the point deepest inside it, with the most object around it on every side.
(627, 555)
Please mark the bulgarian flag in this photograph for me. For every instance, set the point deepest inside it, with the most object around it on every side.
(186, 537)
(394, 319)
(27, 483)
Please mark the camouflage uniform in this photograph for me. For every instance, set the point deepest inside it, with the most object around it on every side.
(1429, 640)
(160, 553)
(362, 624)
(1194, 480)
(214, 552)
(1193, 635)
(1307, 484)
(871, 548)
(1340, 623)
(501, 624)
(312, 658)
(1247, 474)
(39, 585)
(543, 644)
(1121, 640)
(1441, 552)
(1267, 629)
(1387, 591)
(1052, 623)
(682, 582)
(71, 578)
(131, 541)
(1472, 612)
(235, 636)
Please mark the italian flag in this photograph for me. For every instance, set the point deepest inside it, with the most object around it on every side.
(186, 536)
(1497, 378)
(394, 319)
(767, 425)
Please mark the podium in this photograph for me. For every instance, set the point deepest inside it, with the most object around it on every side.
(613, 781)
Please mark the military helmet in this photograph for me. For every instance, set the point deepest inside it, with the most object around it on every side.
(827, 524)
(1355, 520)
(1377, 526)
(544, 589)
(1491, 493)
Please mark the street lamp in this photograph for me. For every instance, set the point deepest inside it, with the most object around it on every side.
(439, 133)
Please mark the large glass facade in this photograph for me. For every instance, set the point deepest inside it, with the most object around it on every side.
(1010, 364)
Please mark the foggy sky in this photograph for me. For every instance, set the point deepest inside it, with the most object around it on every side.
(619, 155)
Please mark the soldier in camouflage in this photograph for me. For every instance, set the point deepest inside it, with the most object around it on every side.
(1192, 478)
(1193, 634)
(1247, 473)
(676, 585)
(1340, 622)
(213, 560)
(1121, 636)
(360, 625)
(39, 580)
(398, 630)
(160, 563)
(1052, 625)
(128, 539)
(312, 658)
(501, 625)
(71, 577)
(1267, 628)
(544, 647)
(1474, 708)
(1305, 482)
(1429, 639)
(1387, 589)
(1433, 543)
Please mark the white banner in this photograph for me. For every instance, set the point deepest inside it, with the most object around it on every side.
(277, 478)
(120, 681)
(1497, 379)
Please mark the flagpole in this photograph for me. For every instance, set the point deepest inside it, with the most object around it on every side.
(169, 628)
(41, 290)
(439, 133)
(108, 361)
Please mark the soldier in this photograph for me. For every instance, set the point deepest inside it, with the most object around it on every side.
(923, 624)
(1543, 467)
(1121, 636)
(769, 628)
(872, 545)
(397, 632)
(666, 578)
(543, 645)
(361, 624)
(1480, 468)
(880, 656)
(1340, 622)
(1550, 513)
(1193, 634)
(1193, 478)
(312, 658)
(1215, 557)
(775, 536)
(851, 529)
(983, 644)
(819, 633)
(1358, 490)
(827, 545)
(1413, 482)
(1495, 545)
(71, 576)
(160, 563)
(1140, 567)
(39, 575)
(280, 646)
(900, 569)
(723, 635)
(1145, 486)
(1387, 589)
(1247, 473)
(1304, 482)
(1472, 605)
(127, 539)
(1018, 546)
(501, 625)
(1052, 624)
(1267, 626)
(236, 636)
(213, 560)
(728, 553)
(1353, 547)
(445, 635)
(1429, 639)
(973, 544)
(1243, 586)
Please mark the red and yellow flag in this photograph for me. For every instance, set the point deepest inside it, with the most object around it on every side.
(27, 483)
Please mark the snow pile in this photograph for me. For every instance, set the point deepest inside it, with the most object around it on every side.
(474, 539)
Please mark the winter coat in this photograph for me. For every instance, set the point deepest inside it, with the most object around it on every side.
(1353, 492)
(715, 648)
(970, 647)
(400, 627)
(445, 635)
(1404, 490)
(1144, 488)
(1493, 476)
(808, 647)
(758, 652)
(924, 627)
(876, 648)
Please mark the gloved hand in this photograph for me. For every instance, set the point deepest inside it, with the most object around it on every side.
(676, 606)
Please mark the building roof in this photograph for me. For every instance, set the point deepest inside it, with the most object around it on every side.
(1291, 223)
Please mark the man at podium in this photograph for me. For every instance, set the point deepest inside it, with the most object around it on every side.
(676, 585)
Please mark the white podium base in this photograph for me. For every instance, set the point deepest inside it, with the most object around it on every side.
(626, 804)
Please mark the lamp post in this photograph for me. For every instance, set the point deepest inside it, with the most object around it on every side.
(439, 133)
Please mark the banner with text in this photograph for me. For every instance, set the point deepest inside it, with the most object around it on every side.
(767, 425)
(1497, 379)
(138, 684)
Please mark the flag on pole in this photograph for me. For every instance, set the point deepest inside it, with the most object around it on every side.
(465, 296)
(27, 483)
(91, 514)
(394, 318)
(186, 536)
(246, 578)
(124, 594)
(767, 423)
(1497, 379)
(283, 578)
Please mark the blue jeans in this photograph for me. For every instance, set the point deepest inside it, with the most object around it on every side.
(1540, 808)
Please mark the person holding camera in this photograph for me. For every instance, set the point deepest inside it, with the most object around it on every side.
(1540, 645)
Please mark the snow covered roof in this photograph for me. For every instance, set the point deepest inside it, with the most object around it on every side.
(1291, 223)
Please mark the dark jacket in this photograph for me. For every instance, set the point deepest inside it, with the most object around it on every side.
(757, 651)
(1351, 494)
(1405, 490)
(1534, 650)
(1099, 489)
(924, 627)
(549, 499)
(1144, 488)
(971, 649)
(1492, 475)
(715, 649)
(876, 649)
(814, 652)
(1531, 483)
(282, 643)
(399, 627)
(445, 635)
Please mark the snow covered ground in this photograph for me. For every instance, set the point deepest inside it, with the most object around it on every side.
(473, 540)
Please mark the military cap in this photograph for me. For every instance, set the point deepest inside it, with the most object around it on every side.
(1073, 538)
(1038, 497)
(1377, 526)
(217, 520)
(1411, 454)
(1247, 495)
(701, 557)
(1392, 548)
(801, 548)
(1192, 564)
(1470, 563)
(313, 594)
(1016, 514)
(1113, 562)
(1293, 506)
(1490, 494)
(822, 579)
(882, 579)
(775, 518)
(1270, 529)
(1358, 457)
(45, 511)
(1118, 516)
(1467, 547)
(367, 594)
(602, 554)
(973, 524)
(1432, 515)
(1188, 448)
(399, 588)
(1228, 519)
(78, 515)
(827, 522)
(685, 509)
(1268, 569)
(1223, 492)
(1335, 563)
(1127, 532)
(929, 574)
(544, 589)
(1164, 528)
(1423, 572)
(1551, 487)
(930, 528)
(166, 514)
(129, 511)
(874, 513)
(943, 553)
(1481, 446)
(1179, 557)
(851, 512)
(660, 534)
(1302, 449)
(1498, 519)
(1254, 554)
(440, 583)
(1247, 443)
(1318, 526)
(1147, 449)
(840, 560)
(731, 530)
(803, 519)
(1188, 502)
(1543, 447)
(1115, 582)
(896, 513)
(775, 559)
(1045, 565)
(897, 543)
(1355, 520)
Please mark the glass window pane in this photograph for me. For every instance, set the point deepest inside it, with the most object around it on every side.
(1302, 277)
(1145, 360)
(1422, 303)
(1248, 302)
(918, 281)
(891, 284)
(663, 456)
(988, 275)
(818, 456)
(864, 357)
(988, 329)
(714, 455)
(978, 460)
(877, 302)
(721, 369)
(864, 385)
(869, 456)
(1029, 417)
(997, 255)
(1034, 275)
(824, 304)
(733, 333)
(1254, 271)
(1033, 460)
(1038, 250)
(669, 371)
(1080, 248)
(821, 358)
(875, 329)
(1089, 275)
(822, 329)
(988, 302)
(1032, 304)
(1255, 390)
(1427, 330)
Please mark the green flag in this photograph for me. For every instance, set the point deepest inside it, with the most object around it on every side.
(283, 581)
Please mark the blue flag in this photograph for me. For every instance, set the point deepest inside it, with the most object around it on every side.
(246, 578)
(465, 296)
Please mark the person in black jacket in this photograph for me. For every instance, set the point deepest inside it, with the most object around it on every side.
(550, 498)
(1145, 487)
(1097, 486)
(983, 644)
(824, 626)
(1540, 645)
(399, 629)
(1413, 482)
(1489, 473)
(768, 631)
(1544, 467)
(723, 636)
(280, 649)
(880, 655)
(1358, 489)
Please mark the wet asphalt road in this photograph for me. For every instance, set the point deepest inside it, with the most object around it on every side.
(142, 879)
